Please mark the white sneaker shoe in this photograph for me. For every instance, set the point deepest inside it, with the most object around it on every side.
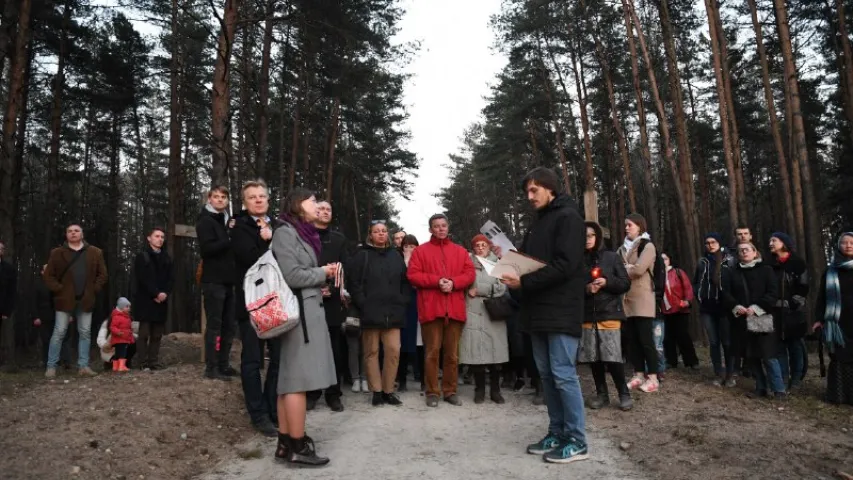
(356, 386)
(364, 386)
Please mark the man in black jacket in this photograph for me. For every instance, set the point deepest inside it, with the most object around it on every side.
(8, 287)
(552, 300)
(217, 283)
(250, 238)
(333, 251)
(152, 285)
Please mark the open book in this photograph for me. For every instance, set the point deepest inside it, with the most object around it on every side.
(512, 262)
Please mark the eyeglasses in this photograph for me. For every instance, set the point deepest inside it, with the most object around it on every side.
(745, 249)
(377, 222)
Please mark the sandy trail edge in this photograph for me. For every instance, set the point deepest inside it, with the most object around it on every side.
(416, 442)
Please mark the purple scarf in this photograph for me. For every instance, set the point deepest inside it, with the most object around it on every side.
(307, 232)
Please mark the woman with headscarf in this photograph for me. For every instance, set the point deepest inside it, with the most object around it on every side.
(835, 321)
(381, 291)
(751, 296)
(712, 272)
(484, 343)
(638, 255)
(307, 362)
(601, 340)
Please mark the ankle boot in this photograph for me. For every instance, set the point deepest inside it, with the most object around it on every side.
(625, 401)
(122, 365)
(115, 365)
(282, 451)
(479, 386)
(303, 453)
(601, 398)
(495, 386)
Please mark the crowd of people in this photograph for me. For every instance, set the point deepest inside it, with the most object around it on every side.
(432, 308)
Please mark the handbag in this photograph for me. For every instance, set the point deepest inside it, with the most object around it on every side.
(757, 323)
(352, 324)
(499, 308)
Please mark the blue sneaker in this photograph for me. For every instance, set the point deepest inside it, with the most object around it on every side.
(550, 442)
(569, 451)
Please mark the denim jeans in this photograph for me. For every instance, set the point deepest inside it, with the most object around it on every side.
(718, 328)
(556, 357)
(84, 330)
(791, 358)
(773, 375)
(658, 332)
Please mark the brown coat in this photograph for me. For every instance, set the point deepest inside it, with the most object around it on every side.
(63, 288)
(640, 299)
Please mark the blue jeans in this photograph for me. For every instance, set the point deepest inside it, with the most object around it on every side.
(556, 357)
(84, 329)
(773, 375)
(791, 357)
(658, 332)
(718, 328)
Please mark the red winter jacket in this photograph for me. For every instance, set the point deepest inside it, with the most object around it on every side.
(678, 288)
(121, 330)
(430, 263)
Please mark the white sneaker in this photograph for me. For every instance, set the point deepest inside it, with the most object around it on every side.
(364, 386)
(356, 386)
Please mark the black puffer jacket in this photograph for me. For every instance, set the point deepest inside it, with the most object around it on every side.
(793, 280)
(382, 292)
(552, 298)
(607, 303)
(215, 245)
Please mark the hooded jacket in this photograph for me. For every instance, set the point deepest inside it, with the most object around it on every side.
(121, 328)
(793, 281)
(552, 297)
(607, 303)
(215, 245)
(382, 291)
(430, 263)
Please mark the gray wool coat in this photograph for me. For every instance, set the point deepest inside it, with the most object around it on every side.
(484, 341)
(304, 367)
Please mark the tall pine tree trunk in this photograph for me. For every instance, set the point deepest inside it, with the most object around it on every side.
(58, 87)
(775, 128)
(814, 240)
(846, 71)
(175, 178)
(333, 141)
(555, 119)
(222, 149)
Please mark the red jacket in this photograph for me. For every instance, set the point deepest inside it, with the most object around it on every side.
(678, 288)
(430, 263)
(121, 330)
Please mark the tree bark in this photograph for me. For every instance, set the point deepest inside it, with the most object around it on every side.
(221, 129)
(558, 131)
(264, 92)
(812, 215)
(10, 122)
(175, 179)
(847, 62)
(294, 150)
(58, 86)
(333, 141)
(589, 177)
(775, 129)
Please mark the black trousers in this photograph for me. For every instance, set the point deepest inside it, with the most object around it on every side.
(617, 373)
(149, 342)
(338, 344)
(416, 360)
(260, 394)
(642, 352)
(677, 338)
(219, 308)
(121, 351)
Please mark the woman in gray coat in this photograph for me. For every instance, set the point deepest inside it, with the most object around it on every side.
(484, 343)
(307, 362)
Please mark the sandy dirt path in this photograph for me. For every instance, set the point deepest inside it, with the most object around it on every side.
(415, 442)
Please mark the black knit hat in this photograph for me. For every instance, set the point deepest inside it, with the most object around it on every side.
(786, 240)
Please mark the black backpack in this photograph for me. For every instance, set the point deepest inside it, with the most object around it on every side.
(658, 272)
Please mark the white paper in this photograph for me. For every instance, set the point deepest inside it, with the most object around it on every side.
(515, 263)
(488, 265)
(497, 236)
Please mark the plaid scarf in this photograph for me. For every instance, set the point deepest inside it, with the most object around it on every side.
(832, 334)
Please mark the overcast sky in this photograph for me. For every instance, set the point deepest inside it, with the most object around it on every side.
(451, 75)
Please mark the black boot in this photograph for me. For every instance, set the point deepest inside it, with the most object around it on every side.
(303, 454)
(479, 386)
(377, 399)
(495, 385)
(538, 398)
(282, 451)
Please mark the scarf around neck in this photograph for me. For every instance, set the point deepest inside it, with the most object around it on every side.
(629, 244)
(210, 209)
(307, 232)
(751, 264)
(832, 334)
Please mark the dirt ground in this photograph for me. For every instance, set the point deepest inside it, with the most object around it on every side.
(173, 424)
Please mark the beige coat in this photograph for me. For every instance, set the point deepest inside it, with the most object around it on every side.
(484, 341)
(640, 299)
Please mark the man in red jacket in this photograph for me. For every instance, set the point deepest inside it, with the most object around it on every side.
(441, 271)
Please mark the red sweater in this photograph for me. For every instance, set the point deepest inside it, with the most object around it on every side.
(121, 330)
(430, 263)
(678, 288)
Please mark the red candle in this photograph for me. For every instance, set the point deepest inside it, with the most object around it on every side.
(596, 272)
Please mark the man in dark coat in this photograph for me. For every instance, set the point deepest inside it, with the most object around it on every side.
(552, 300)
(8, 286)
(250, 238)
(217, 283)
(151, 287)
(334, 251)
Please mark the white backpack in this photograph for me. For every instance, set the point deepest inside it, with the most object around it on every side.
(273, 308)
